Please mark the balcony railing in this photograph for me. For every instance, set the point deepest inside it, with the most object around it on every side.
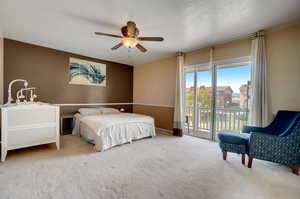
(226, 118)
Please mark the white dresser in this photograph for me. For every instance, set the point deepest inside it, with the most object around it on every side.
(28, 125)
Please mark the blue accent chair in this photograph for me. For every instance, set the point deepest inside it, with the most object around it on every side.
(279, 142)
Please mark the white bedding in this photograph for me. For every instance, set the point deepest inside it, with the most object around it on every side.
(109, 130)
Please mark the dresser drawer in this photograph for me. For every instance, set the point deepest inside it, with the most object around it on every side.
(17, 117)
(19, 138)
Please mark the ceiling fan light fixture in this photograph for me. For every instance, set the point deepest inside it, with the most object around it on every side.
(130, 37)
(130, 42)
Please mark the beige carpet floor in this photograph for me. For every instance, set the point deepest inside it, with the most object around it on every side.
(162, 167)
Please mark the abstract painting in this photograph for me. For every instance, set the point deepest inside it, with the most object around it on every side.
(86, 72)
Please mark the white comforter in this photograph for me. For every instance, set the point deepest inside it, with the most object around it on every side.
(110, 130)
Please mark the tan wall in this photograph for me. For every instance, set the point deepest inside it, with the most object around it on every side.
(230, 50)
(283, 48)
(233, 49)
(154, 83)
(1, 70)
(197, 57)
(48, 70)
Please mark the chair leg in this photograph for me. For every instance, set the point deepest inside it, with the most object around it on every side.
(224, 155)
(250, 160)
(295, 169)
(243, 158)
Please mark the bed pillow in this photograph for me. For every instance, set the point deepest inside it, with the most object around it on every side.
(89, 111)
(108, 110)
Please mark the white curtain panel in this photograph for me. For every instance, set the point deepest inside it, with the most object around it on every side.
(178, 123)
(259, 114)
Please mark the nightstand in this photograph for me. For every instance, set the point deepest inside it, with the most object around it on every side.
(66, 124)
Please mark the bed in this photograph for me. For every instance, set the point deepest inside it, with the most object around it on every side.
(109, 127)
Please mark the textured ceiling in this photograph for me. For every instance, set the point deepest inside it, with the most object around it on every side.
(185, 24)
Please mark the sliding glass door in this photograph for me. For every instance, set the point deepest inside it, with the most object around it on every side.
(216, 98)
(198, 100)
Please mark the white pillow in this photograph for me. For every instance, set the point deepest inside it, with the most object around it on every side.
(89, 111)
(108, 110)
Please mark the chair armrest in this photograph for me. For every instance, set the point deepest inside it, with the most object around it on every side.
(249, 129)
(259, 138)
(266, 145)
(283, 150)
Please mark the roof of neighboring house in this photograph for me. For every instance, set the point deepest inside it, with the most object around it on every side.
(189, 89)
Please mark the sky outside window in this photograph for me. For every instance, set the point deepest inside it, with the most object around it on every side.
(233, 77)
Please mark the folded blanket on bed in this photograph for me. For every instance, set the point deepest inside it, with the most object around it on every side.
(99, 122)
(106, 131)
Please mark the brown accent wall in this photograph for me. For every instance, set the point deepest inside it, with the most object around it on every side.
(47, 70)
(163, 116)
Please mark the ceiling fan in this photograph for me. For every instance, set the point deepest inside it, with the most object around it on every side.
(130, 37)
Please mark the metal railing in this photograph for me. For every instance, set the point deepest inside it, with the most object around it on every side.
(226, 118)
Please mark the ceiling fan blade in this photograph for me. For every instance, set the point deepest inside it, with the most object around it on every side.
(151, 38)
(141, 48)
(109, 35)
(117, 46)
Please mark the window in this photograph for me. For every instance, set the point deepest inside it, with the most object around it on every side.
(217, 97)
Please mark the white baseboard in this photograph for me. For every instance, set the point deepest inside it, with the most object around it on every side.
(164, 131)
